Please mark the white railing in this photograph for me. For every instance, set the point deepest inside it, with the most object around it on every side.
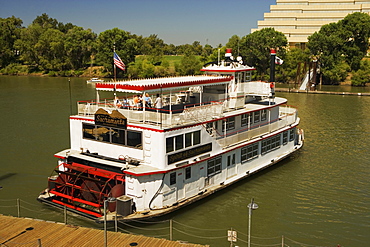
(164, 118)
(195, 114)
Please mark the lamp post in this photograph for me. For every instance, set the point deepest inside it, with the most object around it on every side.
(109, 199)
(251, 207)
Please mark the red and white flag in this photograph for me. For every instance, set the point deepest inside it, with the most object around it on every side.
(118, 62)
(278, 60)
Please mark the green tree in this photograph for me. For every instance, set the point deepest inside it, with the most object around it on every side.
(80, 47)
(26, 45)
(234, 43)
(9, 32)
(327, 46)
(125, 46)
(189, 65)
(255, 49)
(50, 50)
(287, 72)
(341, 46)
(356, 34)
(362, 76)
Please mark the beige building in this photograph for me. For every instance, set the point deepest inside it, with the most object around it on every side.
(298, 19)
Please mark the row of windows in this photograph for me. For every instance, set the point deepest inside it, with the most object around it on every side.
(249, 152)
(270, 144)
(178, 142)
(123, 137)
(245, 119)
(214, 166)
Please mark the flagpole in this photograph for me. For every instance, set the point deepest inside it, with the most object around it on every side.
(115, 72)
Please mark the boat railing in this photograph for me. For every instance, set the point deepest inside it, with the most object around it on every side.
(191, 115)
(287, 116)
(165, 117)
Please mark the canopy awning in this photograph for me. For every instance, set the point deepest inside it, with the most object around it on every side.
(157, 84)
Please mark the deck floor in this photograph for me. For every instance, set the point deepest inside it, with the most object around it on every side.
(31, 232)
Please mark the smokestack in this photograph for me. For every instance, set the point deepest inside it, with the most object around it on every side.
(272, 72)
(272, 65)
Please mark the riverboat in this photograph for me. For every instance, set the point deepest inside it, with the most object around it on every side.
(131, 161)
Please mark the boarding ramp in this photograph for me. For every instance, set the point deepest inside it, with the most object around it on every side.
(306, 79)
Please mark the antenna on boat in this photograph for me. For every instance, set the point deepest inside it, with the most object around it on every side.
(70, 94)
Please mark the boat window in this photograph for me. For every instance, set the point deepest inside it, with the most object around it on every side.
(169, 144)
(292, 134)
(285, 137)
(88, 131)
(188, 139)
(228, 123)
(112, 135)
(263, 115)
(214, 166)
(133, 138)
(249, 152)
(178, 142)
(187, 172)
(270, 144)
(244, 119)
(256, 116)
(172, 178)
(196, 137)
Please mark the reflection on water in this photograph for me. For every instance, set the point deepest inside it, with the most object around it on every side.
(319, 196)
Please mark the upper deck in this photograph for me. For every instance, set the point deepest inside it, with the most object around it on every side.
(178, 112)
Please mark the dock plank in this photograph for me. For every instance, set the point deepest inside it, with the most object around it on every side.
(13, 233)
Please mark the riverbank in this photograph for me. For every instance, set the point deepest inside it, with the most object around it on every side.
(290, 90)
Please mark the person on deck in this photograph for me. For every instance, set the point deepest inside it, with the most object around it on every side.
(158, 102)
(148, 101)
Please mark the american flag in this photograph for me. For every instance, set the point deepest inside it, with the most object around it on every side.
(118, 62)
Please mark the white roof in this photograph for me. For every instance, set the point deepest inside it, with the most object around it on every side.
(156, 84)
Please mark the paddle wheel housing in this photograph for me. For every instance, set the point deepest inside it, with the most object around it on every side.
(85, 188)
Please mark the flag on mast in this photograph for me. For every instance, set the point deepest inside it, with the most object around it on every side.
(118, 62)
(278, 60)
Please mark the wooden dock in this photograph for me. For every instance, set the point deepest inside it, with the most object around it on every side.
(291, 90)
(31, 232)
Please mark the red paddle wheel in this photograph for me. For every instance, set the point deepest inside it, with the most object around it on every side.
(84, 188)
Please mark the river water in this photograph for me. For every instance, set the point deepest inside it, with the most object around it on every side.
(320, 196)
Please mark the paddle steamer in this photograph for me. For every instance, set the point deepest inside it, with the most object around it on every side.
(134, 161)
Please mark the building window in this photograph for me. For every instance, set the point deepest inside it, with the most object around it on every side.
(249, 152)
(214, 166)
(270, 144)
(188, 172)
(112, 135)
(172, 178)
(285, 137)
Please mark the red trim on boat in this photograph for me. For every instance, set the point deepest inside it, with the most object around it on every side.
(77, 208)
(75, 199)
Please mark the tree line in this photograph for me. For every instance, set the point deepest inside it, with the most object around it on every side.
(54, 48)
